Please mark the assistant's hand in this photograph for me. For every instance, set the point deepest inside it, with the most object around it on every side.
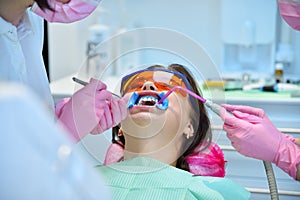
(254, 111)
(66, 11)
(253, 134)
(90, 108)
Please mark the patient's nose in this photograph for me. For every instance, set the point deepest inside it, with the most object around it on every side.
(149, 86)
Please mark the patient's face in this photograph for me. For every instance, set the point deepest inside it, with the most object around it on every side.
(146, 122)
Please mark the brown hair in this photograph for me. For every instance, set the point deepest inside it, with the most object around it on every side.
(200, 123)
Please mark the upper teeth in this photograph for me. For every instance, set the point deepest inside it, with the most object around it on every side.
(146, 99)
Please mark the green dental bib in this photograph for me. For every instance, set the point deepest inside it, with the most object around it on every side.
(146, 178)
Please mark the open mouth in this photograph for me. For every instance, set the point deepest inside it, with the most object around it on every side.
(147, 101)
(145, 98)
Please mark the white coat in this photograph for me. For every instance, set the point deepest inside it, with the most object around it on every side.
(21, 58)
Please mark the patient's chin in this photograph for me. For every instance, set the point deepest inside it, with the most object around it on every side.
(143, 124)
(142, 119)
(145, 119)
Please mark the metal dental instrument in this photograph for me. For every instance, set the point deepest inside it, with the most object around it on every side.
(213, 106)
(85, 83)
(79, 81)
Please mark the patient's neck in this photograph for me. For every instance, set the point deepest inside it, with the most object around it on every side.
(153, 148)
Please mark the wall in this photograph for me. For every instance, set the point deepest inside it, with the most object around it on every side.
(198, 19)
(67, 46)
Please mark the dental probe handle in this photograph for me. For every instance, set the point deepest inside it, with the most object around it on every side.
(77, 80)
(183, 89)
(213, 106)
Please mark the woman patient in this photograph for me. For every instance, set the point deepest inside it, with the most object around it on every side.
(175, 132)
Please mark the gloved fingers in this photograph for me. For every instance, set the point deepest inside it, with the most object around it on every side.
(96, 84)
(106, 121)
(234, 129)
(115, 112)
(233, 125)
(91, 90)
(235, 135)
(234, 140)
(247, 117)
(245, 109)
(100, 104)
(228, 118)
(123, 108)
(103, 95)
(119, 110)
(229, 124)
(99, 110)
(108, 116)
(229, 130)
(290, 137)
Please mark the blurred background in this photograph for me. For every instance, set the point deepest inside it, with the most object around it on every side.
(241, 36)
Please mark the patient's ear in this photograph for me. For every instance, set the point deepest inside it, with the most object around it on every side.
(188, 131)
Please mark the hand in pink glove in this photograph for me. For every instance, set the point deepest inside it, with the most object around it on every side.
(66, 11)
(253, 135)
(113, 114)
(290, 12)
(254, 111)
(91, 108)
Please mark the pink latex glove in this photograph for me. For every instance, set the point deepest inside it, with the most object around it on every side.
(253, 134)
(290, 12)
(114, 113)
(91, 109)
(66, 11)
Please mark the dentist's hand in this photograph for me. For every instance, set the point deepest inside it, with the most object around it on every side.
(91, 109)
(112, 115)
(252, 134)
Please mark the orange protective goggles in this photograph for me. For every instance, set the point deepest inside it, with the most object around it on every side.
(163, 80)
